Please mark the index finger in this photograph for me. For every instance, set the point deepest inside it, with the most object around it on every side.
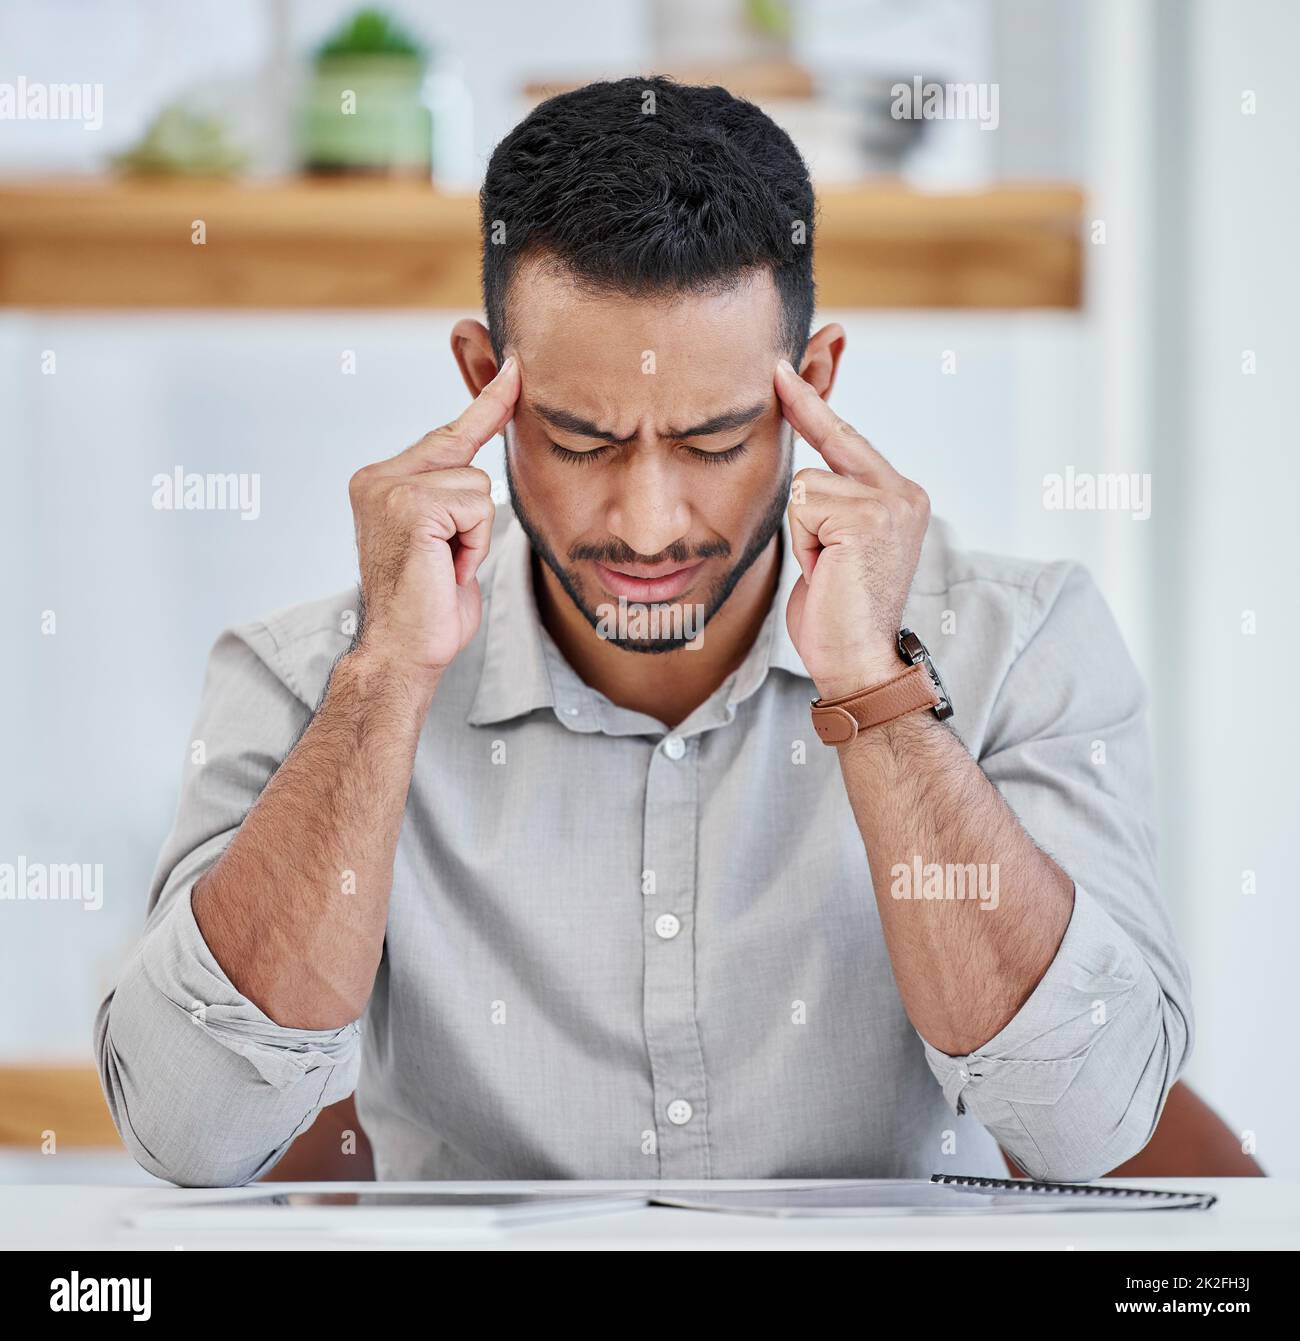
(841, 446)
(457, 443)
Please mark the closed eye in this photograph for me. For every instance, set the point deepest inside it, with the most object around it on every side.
(712, 458)
(578, 458)
(721, 458)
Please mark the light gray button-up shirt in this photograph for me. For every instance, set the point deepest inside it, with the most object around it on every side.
(619, 951)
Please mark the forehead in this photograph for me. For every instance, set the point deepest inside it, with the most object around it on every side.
(625, 361)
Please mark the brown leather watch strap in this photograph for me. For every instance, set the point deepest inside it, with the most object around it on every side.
(838, 720)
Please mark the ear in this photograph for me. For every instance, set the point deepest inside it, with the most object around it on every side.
(471, 347)
(821, 359)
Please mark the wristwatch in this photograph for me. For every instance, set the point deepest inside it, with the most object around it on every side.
(838, 720)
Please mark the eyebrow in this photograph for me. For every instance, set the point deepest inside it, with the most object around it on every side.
(726, 422)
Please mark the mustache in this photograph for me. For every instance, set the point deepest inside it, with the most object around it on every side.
(678, 552)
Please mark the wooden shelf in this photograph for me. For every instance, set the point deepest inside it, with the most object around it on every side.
(111, 243)
(65, 1100)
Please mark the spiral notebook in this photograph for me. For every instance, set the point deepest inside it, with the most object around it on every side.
(944, 1194)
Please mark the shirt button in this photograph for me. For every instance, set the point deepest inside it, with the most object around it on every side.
(964, 1073)
(674, 747)
(680, 1112)
(667, 926)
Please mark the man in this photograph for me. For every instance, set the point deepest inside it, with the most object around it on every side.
(549, 859)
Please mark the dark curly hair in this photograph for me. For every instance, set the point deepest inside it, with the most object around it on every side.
(647, 186)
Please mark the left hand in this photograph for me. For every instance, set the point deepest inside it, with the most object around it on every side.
(856, 530)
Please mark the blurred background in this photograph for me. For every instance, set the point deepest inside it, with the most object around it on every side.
(1060, 253)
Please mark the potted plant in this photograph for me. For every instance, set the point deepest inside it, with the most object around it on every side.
(364, 112)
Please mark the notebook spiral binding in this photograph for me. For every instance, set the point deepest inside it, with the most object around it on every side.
(1025, 1185)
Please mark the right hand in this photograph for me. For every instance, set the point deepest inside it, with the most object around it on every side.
(424, 525)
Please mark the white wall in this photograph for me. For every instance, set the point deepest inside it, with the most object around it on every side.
(1237, 454)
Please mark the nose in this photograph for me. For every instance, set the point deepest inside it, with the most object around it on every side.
(650, 510)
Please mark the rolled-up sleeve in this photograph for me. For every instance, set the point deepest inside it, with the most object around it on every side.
(204, 1087)
(1074, 1084)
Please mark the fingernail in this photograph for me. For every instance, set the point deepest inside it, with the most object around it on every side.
(785, 365)
(506, 365)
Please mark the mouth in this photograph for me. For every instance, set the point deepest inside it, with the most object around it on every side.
(648, 584)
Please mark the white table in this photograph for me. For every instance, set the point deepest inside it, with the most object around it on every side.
(1252, 1213)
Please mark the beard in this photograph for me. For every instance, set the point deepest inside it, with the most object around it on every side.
(613, 553)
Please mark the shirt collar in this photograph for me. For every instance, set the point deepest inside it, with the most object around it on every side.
(523, 669)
